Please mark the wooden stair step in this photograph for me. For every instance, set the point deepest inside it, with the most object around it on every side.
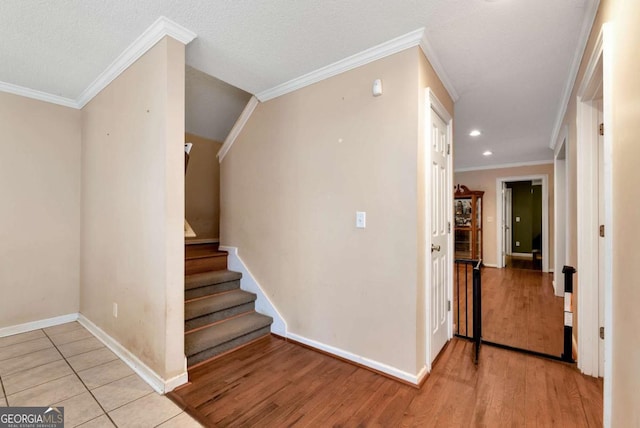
(204, 279)
(207, 283)
(202, 263)
(210, 309)
(208, 342)
(192, 252)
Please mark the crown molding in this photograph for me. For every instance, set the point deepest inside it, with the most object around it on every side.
(428, 51)
(37, 95)
(374, 53)
(237, 128)
(504, 165)
(157, 31)
(585, 31)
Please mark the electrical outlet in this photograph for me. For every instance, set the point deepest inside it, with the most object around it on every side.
(517, 219)
(115, 310)
(361, 219)
(517, 243)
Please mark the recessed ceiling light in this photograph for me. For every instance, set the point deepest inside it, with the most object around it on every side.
(487, 153)
(475, 133)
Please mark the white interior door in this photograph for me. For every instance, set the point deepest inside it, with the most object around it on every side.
(440, 202)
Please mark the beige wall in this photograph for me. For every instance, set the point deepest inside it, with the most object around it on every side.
(133, 208)
(626, 212)
(485, 180)
(291, 184)
(40, 212)
(202, 187)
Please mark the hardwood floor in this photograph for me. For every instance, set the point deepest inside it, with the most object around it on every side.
(519, 309)
(274, 383)
(521, 263)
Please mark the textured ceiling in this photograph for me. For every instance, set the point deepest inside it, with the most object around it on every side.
(508, 60)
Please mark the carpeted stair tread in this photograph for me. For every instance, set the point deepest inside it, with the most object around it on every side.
(204, 279)
(216, 302)
(223, 332)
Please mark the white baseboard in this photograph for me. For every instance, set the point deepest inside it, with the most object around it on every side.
(279, 326)
(381, 367)
(558, 288)
(37, 325)
(421, 375)
(491, 265)
(154, 380)
(249, 283)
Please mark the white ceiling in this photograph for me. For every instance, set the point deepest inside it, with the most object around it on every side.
(508, 60)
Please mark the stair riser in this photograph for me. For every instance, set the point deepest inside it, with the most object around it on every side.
(239, 341)
(191, 249)
(211, 289)
(217, 316)
(205, 264)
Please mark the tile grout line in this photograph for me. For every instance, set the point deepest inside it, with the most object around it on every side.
(76, 373)
(35, 367)
(81, 381)
(20, 343)
(4, 391)
(104, 364)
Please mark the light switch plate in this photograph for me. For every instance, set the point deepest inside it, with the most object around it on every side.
(361, 219)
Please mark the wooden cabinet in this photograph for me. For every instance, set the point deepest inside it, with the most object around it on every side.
(467, 214)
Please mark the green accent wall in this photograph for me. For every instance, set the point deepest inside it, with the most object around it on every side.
(527, 205)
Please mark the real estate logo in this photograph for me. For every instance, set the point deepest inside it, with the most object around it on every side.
(31, 417)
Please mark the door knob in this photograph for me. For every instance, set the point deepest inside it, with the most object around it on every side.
(435, 248)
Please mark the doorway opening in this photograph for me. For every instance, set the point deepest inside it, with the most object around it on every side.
(518, 240)
(522, 219)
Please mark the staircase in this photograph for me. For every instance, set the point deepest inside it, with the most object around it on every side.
(219, 316)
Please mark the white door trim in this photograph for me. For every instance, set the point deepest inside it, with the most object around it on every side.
(560, 209)
(545, 216)
(598, 74)
(433, 104)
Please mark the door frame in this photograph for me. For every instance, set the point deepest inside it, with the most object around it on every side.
(597, 75)
(561, 209)
(545, 216)
(433, 104)
(508, 195)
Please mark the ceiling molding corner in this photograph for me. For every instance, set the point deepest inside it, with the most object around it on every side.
(583, 39)
(157, 31)
(365, 57)
(428, 51)
(37, 95)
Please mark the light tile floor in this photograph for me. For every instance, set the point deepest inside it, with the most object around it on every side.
(66, 366)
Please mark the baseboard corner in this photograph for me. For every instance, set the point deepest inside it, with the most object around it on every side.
(155, 381)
